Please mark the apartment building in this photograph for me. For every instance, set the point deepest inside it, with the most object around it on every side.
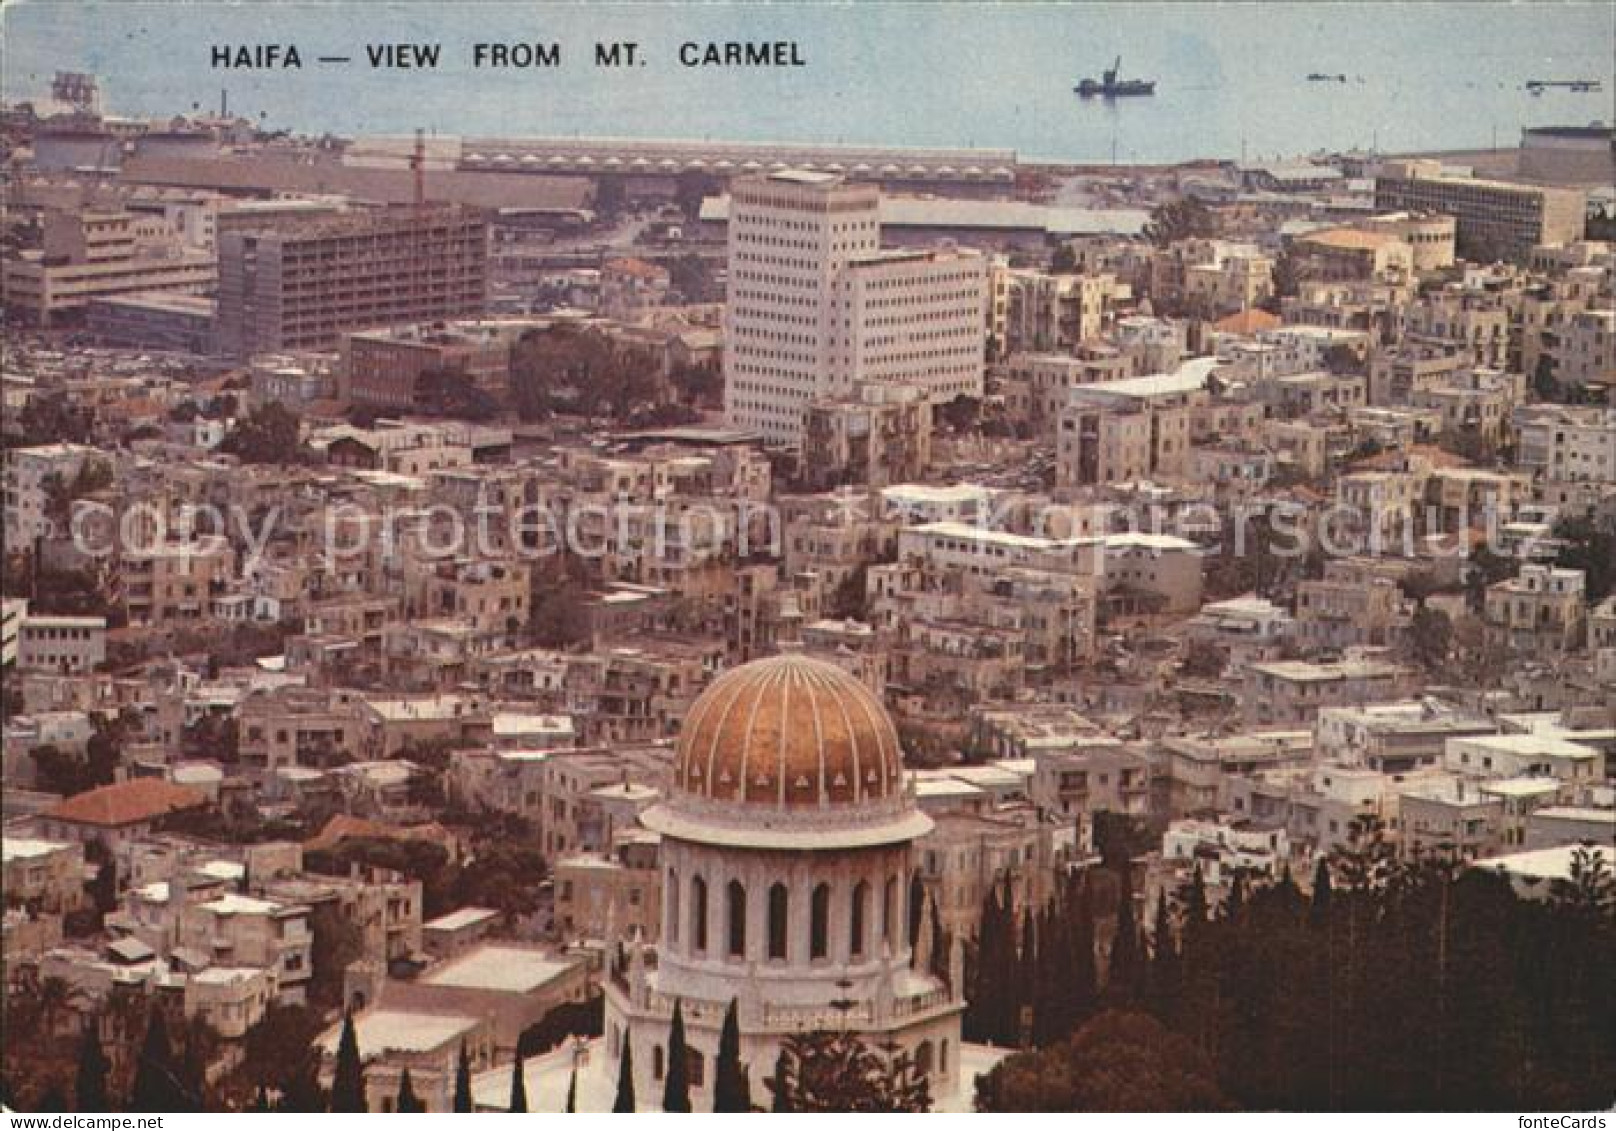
(45, 874)
(1478, 323)
(61, 644)
(174, 581)
(1292, 692)
(1541, 611)
(302, 285)
(93, 255)
(1043, 382)
(1587, 348)
(1568, 444)
(381, 369)
(816, 306)
(1044, 312)
(1345, 609)
(1134, 429)
(1396, 375)
(28, 472)
(615, 893)
(1494, 219)
(878, 435)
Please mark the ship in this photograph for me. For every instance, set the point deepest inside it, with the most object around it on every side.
(1109, 86)
(1576, 86)
(1318, 76)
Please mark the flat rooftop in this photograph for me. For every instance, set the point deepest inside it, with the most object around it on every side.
(380, 1031)
(27, 848)
(459, 920)
(804, 177)
(503, 969)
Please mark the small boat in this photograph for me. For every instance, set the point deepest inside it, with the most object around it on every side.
(1109, 86)
(1318, 76)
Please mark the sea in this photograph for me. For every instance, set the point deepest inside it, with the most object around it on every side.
(1232, 78)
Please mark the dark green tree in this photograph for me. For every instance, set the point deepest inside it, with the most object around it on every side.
(1116, 1062)
(90, 1081)
(779, 1084)
(1319, 907)
(624, 1103)
(1180, 220)
(408, 1103)
(1025, 975)
(572, 1091)
(1163, 982)
(730, 1089)
(269, 434)
(1591, 547)
(1124, 977)
(834, 1072)
(518, 1104)
(158, 1085)
(676, 1086)
(462, 1090)
(348, 1077)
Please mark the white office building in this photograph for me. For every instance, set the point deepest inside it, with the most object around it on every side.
(815, 306)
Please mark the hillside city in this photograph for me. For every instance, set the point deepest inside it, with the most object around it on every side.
(567, 624)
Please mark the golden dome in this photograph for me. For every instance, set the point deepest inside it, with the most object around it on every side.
(792, 733)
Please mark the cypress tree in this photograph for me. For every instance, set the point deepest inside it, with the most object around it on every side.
(193, 1069)
(1234, 907)
(462, 1092)
(1054, 1006)
(348, 1078)
(51, 1099)
(157, 1083)
(1026, 999)
(780, 1085)
(518, 1104)
(1123, 979)
(1085, 975)
(1006, 1004)
(572, 1091)
(90, 1082)
(730, 1089)
(408, 1102)
(1318, 912)
(939, 945)
(1163, 980)
(676, 1088)
(624, 1103)
(302, 1092)
(987, 987)
(917, 904)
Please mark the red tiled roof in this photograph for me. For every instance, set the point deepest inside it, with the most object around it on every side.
(1247, 322)
(126, 803)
